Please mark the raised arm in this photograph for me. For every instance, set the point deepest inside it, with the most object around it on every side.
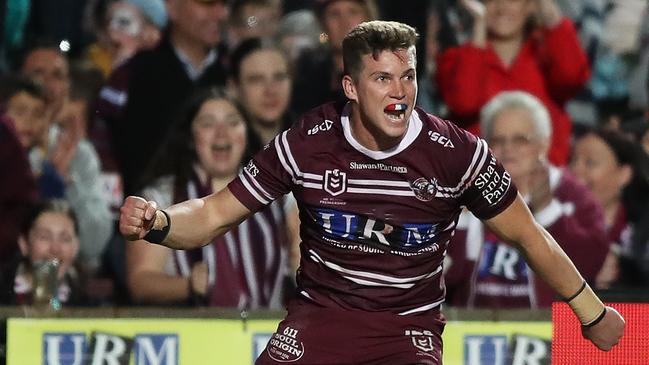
(601, 325)
(190, 224)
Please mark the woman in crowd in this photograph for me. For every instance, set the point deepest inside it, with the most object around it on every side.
(245, 268)
(509, 50)
(261, 79)
(487, 272)
(49, 234)
(615, 170)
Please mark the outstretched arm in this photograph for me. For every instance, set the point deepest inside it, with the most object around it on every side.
(602, 325)
(191, 224)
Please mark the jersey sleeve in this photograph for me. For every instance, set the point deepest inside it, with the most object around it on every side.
(267, 176)
(488, 187)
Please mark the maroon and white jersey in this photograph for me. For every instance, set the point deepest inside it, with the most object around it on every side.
(375, 224)
(485, 272)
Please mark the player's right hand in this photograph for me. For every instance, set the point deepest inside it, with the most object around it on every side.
(136, 217)
(607, 332)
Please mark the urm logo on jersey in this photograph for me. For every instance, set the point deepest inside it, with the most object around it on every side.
(350, 226)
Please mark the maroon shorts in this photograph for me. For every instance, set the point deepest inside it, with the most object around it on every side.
(312, 335)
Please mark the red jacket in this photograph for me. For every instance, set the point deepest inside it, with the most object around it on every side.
(550, 65)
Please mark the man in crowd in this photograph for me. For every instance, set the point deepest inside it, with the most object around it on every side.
(143, 96)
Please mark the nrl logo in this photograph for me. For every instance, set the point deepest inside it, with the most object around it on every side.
(424, 189)
(335, 182)
(423, 340)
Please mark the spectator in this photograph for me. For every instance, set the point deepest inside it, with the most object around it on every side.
(262, 81)
(144, 94)
(51, 232)
(439, 35)
(252, 19)
(24, 102)
(615, 35)
(589, 17)
(318, 72)
(123, 28)
(615, 170)
(47, 64)
(507, 52)
(65, 163)
(487, 272)
(18, 189)
(298, 32)
(246, 267)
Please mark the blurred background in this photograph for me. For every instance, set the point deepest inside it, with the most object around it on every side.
(100, 99)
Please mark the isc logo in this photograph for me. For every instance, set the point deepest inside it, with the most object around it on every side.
(443, 140)
(324, 126)
(103, 348)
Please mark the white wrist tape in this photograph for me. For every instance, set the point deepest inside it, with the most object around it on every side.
(587, 306)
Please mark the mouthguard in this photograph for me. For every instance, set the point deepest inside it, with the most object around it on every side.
(396, 107)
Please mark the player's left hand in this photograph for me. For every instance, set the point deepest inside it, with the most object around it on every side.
(607, 332)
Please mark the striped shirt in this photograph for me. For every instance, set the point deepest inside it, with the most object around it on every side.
(375, 224)
(247, 266)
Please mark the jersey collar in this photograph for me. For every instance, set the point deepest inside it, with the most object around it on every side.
(414, 127)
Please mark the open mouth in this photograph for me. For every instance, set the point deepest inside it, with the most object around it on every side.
(221, 148)
(395, 112)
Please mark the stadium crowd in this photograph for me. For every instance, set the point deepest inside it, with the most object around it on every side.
(168, 99)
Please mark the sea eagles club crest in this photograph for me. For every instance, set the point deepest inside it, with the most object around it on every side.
(335, 182)
(424, 189)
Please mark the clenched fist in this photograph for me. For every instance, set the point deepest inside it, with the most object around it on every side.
(137, 217)
(607, 332)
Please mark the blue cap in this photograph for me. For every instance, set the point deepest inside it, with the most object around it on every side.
(154, 10)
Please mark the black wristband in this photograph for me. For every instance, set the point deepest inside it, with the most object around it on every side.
(583, 286)
(158, 235)
(596, 321)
